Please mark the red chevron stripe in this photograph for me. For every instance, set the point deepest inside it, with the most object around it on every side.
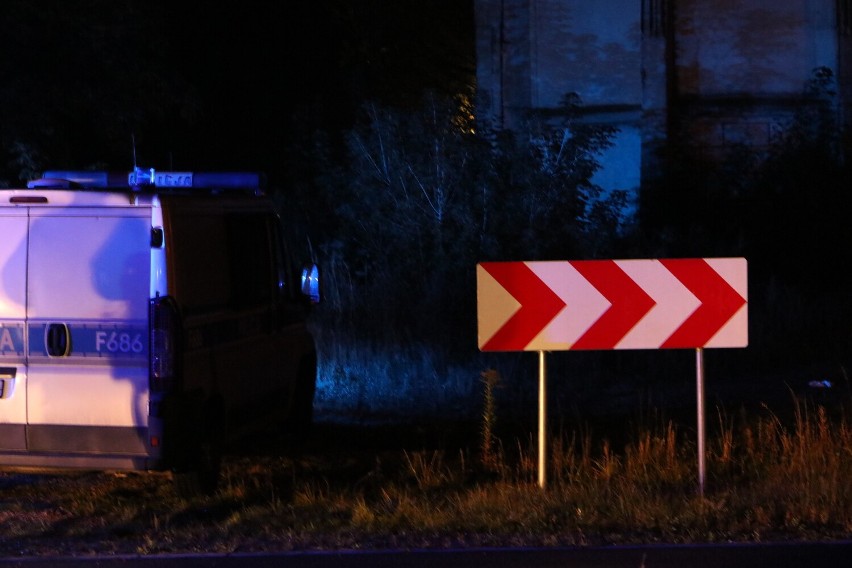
(719, 302)
(539, 305)
(629, 302)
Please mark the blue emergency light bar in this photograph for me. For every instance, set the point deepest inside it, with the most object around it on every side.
(141, 178)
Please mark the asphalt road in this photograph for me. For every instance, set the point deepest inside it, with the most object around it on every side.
(809, 555)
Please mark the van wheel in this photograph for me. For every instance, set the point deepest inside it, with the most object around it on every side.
(202, 479)
(298, 425)
(203, 463)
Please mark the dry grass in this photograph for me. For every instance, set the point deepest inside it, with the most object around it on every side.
(767, 480)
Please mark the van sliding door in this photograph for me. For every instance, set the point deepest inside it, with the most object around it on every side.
(88, 290)
(13, 367)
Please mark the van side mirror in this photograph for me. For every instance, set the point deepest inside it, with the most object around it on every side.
(311, 283)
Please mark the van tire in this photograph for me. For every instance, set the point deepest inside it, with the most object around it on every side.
(299, 422)
(200, 469)
(203, 478)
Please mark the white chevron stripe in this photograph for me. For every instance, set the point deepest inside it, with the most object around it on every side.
(584, 305)
(674, 305)
(734, 271)
(735, 332)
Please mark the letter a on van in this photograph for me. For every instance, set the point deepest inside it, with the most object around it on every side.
(144, 317)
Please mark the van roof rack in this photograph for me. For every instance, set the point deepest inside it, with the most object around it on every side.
(144, 179)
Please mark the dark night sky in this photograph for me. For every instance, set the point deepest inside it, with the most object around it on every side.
(268, 72)
(216, 85)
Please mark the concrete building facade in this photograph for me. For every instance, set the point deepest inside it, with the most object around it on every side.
(720, 74)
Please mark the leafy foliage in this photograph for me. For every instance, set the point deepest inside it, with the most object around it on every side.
(425, 195)
(416, 199)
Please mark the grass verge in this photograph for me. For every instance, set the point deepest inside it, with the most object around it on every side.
(768, 480)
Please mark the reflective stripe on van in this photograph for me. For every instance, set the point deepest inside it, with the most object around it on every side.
(103, 340)
(12, 340)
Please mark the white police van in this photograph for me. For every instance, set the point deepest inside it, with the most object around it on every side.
(144, 316)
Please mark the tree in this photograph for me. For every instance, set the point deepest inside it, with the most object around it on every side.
(424, 195)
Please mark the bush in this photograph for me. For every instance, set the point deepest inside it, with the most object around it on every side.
(418, 199)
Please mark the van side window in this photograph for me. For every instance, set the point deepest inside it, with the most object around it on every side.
(200, 256)
(251, 263)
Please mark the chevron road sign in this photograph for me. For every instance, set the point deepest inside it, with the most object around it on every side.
(612, 304)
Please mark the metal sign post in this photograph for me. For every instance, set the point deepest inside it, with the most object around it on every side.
(542, 421)
(699, 381)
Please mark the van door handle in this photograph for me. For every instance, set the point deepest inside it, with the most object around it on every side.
(7, 380)
(57, 339)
